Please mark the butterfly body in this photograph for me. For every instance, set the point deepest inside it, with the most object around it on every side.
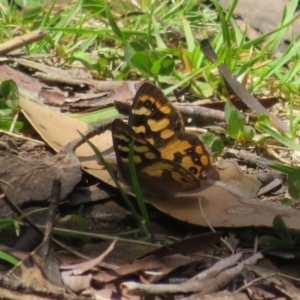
(167, 159)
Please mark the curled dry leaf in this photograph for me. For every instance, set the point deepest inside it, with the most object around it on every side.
(226, 202)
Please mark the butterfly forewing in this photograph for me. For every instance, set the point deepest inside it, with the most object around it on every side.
(153, 117)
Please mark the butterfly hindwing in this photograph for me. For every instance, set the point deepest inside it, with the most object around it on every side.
(155, 174)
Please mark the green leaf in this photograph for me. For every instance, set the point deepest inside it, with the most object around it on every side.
(31, 12)
(197, 57)
(141, 62)
(202, 89)
(163, 66)
(167, 66)
(208, 138)
(10, 93)
(228, 111)
(155, 69)
(87, 60)
(60, 51)
(217, 147)
(133, 48)
(274, 243)
(249, 133)
(294, 191)
(286, 202)
(294, 178)
(279, 228)
(236, 121)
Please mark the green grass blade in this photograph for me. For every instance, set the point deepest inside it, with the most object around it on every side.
(137, 189)
(114, 25)
(115, 180)
(287, 15)
(277, 136)
(5, 256)
(188, 34)
(98, 116)
(159, 41)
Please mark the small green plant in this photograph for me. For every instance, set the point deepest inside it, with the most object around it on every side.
(293, 175)
(215, 143)
(4, 223)
(9, 106)
(283, 239)
(266, 126)
(237, 128)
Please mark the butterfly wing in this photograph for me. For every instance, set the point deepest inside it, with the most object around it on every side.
(188, 151)
(155, 174)
(144, 153)
(153, 117)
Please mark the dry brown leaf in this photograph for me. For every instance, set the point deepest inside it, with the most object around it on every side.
(25, 180)
(221, 205)
(78, 269)
(38, 273)
(228, 204)
(156, 258)
(278, 282)
(162, 266)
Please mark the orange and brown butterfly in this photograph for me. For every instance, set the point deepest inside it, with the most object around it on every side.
(168, 159)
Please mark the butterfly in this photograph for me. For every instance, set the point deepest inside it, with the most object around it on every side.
(168, 160)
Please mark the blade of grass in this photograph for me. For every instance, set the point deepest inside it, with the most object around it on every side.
(137, 189)
(5, 256)
(264, 36)
(159, 41)
(115, 180)
(277, 136)
(96, 117)
(149, 32)
(287, 15)
(276, 65)
(114, 25)
(188, 34)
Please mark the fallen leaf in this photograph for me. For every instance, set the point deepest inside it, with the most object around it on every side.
(31, 180)
(222, 205)
(164, 259)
